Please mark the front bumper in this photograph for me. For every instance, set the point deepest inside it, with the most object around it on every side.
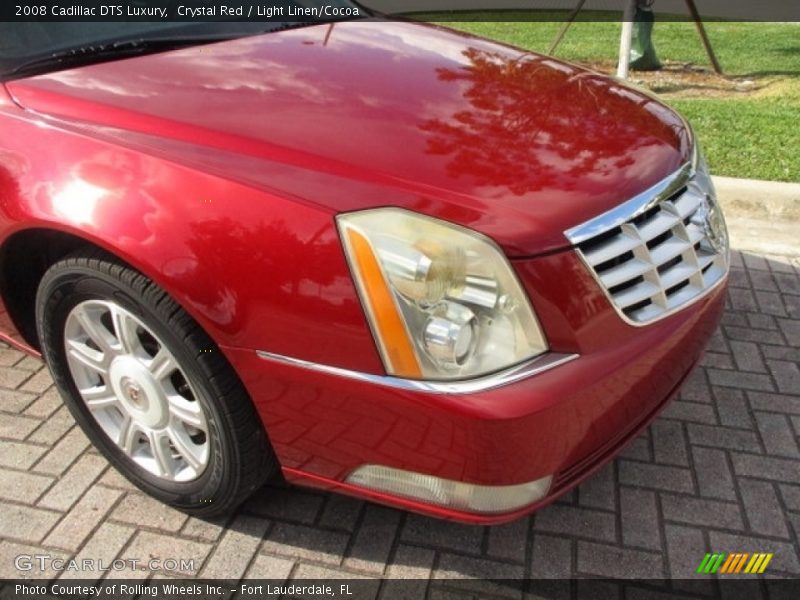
(565, 422)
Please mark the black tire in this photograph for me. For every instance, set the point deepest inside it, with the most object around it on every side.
(240, 456)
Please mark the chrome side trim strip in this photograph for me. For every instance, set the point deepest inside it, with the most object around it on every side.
(632, 208)
(539, 364)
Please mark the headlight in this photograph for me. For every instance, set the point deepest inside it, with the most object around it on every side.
(709, 217)
(442, 301)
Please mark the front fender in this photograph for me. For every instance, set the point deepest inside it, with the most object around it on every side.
(256, 270)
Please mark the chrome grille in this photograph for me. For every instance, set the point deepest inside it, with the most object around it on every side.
(659, 251)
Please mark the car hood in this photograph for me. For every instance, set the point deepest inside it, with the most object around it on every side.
(350, 115)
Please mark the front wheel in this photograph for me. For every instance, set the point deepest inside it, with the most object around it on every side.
(149, 387)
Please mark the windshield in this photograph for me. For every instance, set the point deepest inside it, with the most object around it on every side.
(26, 48)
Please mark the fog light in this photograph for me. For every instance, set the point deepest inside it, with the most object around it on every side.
(447, 493)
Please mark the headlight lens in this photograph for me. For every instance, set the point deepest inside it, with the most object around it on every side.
(442, 301)
(709, 217)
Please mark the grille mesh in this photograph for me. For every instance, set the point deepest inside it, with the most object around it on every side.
(660, 259)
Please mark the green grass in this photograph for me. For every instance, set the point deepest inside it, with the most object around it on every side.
(755, 138)
(753, 135)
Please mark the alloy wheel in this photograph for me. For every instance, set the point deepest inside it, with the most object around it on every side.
(136, 390)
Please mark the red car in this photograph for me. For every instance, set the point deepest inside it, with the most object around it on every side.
(381, 258)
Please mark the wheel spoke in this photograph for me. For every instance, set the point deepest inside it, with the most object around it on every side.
(186, 448)
(159, 446)
(162, 365)
(128, 435)
(94, 330)
(125, 331)
(88, 357)
(186, 411)
(99, 397)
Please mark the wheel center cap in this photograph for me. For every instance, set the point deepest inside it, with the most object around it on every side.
(134, 393)
(138, 392)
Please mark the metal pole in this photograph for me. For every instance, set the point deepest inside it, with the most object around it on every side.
(703, 36)
(626, 40)
(564, 28)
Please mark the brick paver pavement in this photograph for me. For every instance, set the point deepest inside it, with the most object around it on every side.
(719, 470)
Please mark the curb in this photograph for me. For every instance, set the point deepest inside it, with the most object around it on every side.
(762, 216)
(753, 199)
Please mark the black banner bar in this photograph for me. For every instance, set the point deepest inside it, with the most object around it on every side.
(702, 587)
(328, 10)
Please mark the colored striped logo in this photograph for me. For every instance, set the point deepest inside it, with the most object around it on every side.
(738, 562)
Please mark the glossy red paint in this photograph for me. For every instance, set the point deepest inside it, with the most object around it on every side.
(353, 115)
(570, 422)
(217, 171)
(256, 270)
(323, 426)
(573, 477)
